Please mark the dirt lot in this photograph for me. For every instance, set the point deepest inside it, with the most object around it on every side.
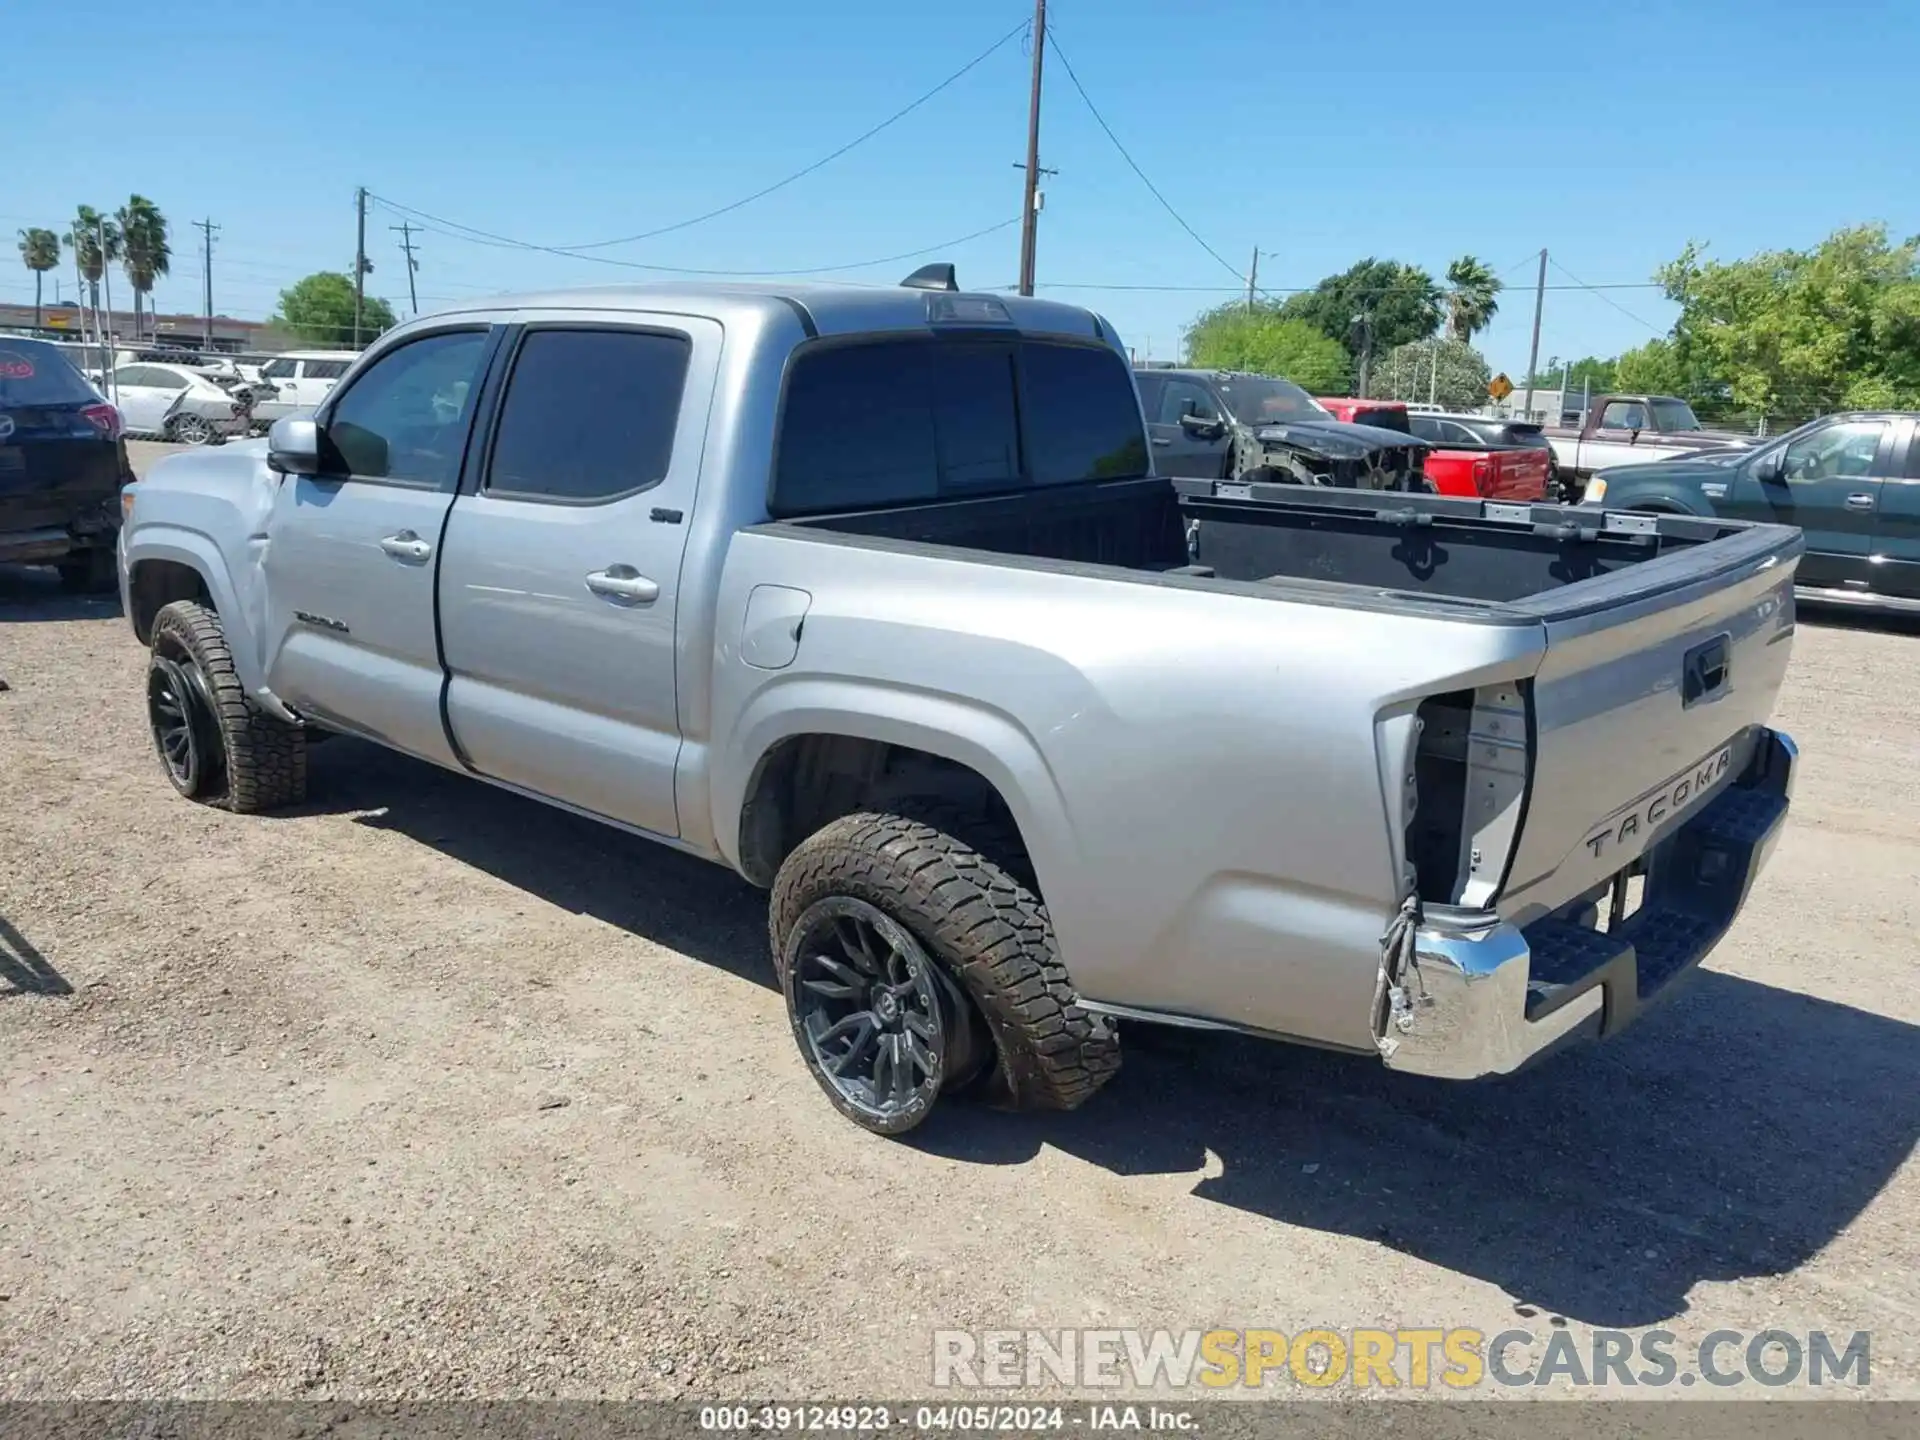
(428, 1090)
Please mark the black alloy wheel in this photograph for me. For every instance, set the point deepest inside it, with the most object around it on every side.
(878, 1023)
(181, 736)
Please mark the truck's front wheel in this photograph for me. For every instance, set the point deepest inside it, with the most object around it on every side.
(214, 742)
(913, 964)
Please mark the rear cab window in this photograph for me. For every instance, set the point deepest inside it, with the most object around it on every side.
(908, 419)
(33, 373)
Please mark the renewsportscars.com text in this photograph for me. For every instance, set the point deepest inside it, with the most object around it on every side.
(1413, 1358)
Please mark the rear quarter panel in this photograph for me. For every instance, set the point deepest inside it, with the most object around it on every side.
(1198, 772)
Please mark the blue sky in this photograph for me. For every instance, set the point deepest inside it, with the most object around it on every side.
(1319, 133)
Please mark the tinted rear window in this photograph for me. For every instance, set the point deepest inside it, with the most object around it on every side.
(1083, 418)
(34, 373)
(896, 421)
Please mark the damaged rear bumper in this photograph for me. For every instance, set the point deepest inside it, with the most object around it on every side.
(1483, 997)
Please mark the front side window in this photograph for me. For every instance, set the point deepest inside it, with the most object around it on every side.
(405, 418)
(589, 415)
(277, 370)
(1843, 451)
(1624, 415)
(1183, 398)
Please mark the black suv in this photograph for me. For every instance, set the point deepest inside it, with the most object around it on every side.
(62, 463)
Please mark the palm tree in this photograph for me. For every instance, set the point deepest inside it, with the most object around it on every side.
(145, 253)
(95, 242)
(40, 252)
(1470, 303)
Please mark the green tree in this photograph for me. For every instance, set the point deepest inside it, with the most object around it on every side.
(145, 254)
(95, 241)
(1265, 342)
(1656, 368)
(1447, 371)
(1791, 331)
(1472, 297)
(39, 252)
(1372, 307)
(1592, 373)
(319, 309)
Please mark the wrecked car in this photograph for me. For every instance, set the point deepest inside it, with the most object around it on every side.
(1224, 425)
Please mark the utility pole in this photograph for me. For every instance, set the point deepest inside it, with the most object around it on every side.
(206, 227)
(1253, 274)
(360, 264)
(1363, 326)
(1030, 212)
(106, 270)
(406, 244)
(1433, 377)
(1533, 355)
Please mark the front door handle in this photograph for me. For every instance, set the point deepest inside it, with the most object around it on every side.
(1859, 501)
(1161, 440)
(624, 585)
(407, 546)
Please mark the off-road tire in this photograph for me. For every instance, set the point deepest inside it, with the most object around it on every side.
(91, 572)
(261, 760)
(947, 870)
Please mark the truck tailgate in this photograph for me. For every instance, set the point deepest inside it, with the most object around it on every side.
(1643, 710)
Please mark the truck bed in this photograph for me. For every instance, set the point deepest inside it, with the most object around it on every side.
(1352, 547)
(1656, 643)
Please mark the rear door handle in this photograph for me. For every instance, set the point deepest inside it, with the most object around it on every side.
(624, 585)
(407, 546)
(1859, 502)
(1161, 440)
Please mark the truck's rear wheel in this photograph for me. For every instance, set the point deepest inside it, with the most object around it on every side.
(968, 943)
(215, 744)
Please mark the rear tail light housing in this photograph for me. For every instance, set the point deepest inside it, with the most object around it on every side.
(105, 419)
(1472, 762)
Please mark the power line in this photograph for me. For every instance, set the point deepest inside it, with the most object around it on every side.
(1581, 284)
(745, 200)
(1094, 110)
(432, 224)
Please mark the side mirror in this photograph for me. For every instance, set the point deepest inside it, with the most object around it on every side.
(1202, 428)
(1770, 469)
(293, 447)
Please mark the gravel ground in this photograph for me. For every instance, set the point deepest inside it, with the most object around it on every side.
(426, 1090)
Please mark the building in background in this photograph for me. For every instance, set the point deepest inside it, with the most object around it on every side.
(61, 320)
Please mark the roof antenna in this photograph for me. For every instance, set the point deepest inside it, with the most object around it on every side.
(932, 277)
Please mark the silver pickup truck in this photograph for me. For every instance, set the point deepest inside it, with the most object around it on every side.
(873, 596)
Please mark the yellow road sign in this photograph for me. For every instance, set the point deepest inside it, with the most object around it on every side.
(1500, 387)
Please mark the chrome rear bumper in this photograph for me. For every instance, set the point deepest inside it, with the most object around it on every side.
(1488, 998)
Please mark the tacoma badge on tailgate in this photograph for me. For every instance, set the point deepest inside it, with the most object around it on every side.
(1657, 805)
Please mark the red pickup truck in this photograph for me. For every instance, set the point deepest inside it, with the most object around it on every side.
(1473, 456)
